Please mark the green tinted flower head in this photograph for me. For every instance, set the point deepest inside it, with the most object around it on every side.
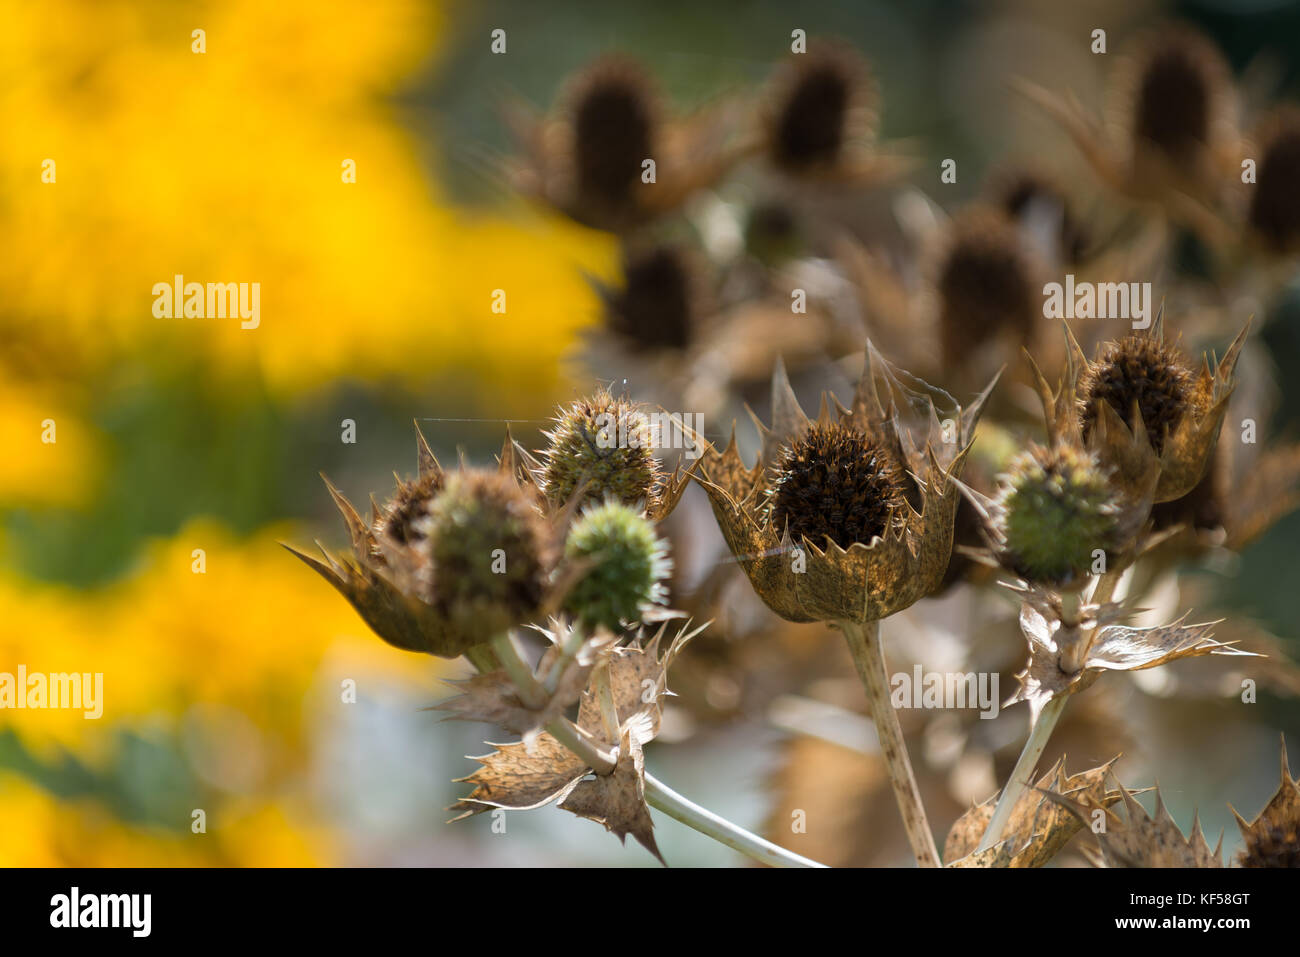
(629, 563)
(1057, 510)
(487, 545)
(607, 443)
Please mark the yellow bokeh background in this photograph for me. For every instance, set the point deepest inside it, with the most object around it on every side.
(225, 166)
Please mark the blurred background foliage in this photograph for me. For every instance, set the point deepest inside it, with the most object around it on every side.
(222, 689)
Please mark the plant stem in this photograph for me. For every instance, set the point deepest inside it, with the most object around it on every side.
(869, 657)
(1023, 772)
(503, 654)
(661, 796)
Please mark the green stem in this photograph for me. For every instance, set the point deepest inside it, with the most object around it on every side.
(661, 796)
(1022, 775)
(869, 657)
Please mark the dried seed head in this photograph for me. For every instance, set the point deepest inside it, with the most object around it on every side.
(629, 566)
(1056, 508)
(835, 481)
(821, 101)
(658, 306)
(487, 549)
(1180, 77)
(607, 443)
(404, 517)
(985, 284)
(1275, 202)
(614, 115)
(1141, 370)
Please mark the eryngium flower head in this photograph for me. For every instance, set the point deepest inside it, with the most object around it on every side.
(1274, 213)
(588, 157)
(603, 447)
(1054, 509)
(1142, 411)
(1141, 379)
(661, 301)
(627, 561)
(882, 470)
(820, 116)
(449, 562)
(833, 482)
(986, 284)
(1176, 90)
(485, 543)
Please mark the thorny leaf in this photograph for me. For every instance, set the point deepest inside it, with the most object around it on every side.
(1141, 840)
(617, 800)
(1112, 647)
(1273, 838)
(638, 678)
(519, 778)
(1037, 830)
(528, 774)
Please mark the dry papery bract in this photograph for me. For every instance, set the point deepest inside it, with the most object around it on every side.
(1066, 656)
(1038, 829)
(868, 580)
(618, 706)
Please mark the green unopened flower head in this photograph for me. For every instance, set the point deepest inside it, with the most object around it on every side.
(1056, 510)
(487, 550)
(629, 563)
(607, 443)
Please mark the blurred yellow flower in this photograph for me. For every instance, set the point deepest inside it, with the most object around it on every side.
(248, 632)
(42, 831)
(51, 457)
(229, 166)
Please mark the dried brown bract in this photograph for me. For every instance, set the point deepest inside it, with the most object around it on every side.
(879, 547)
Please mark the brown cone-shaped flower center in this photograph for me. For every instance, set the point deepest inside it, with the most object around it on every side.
(834, 481)
(409, 506)
(656, 308)
(810, 126)
(985, 285)
(1172, 110)
(613, 125)
(1141, 370)
(1274, 200)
